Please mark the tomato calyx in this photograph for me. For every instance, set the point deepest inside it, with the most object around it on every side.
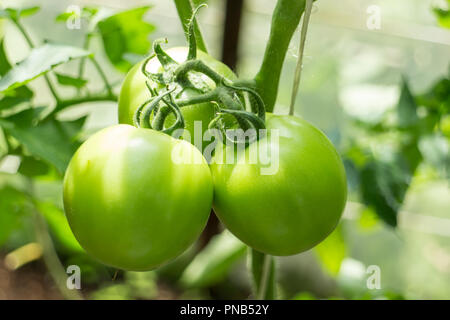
(231, 98)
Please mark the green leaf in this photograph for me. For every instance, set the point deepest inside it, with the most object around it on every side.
(59, 227)
(63, 17)
(16, 96)
(13, 205)
(437, 98)
(125, 33)
(212, 264)
(332, 251)
(436, 151)
(384, 184)
(3, 144)
(406, 108)
(33, 167)
(15, 14)
(40, 61)
(143, 284)
(50, 140)
(67, 80)
(443, 16)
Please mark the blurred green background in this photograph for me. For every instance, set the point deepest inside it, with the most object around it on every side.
(351, 74)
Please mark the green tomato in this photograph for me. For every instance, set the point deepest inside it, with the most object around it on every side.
(137, 198)
(134, 91)
(286, 205)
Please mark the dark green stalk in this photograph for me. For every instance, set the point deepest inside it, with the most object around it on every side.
(285, 20)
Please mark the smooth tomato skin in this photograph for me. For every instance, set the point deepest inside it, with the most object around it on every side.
(128, 204)
(134, 91)
(292, 210)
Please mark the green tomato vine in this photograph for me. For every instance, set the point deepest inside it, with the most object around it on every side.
(231, 98)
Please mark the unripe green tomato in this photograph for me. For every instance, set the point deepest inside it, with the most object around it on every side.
(286, 206)
(134, 91)
(137, 198)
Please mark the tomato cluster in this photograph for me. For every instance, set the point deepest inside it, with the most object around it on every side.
(137, 194)
(136, 197)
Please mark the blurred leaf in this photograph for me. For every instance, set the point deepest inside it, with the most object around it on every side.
(332, 251)
(3, 144)
(59, 227)
(32, 167)
(382, 188)
(63, 17)
(13, 205)
(304, 296)
(15, 14)
(438, 97)
(368, 219)
(445, 126)
(113, 292)
(213, 263)
(435, 149)
(142, 284)
(67, 80)
(16, 96)
(443, 15)
(383, 184)
(125, 33)
(406, 108)
(50, 140)
(40, 61)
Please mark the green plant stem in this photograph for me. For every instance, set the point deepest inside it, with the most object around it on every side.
(87, 41)
(51, 259)
(49, 254)
(185, 10)
(103, 76)
(31, 45)
(92, 98)
(262, 268)
(285, 20)
(299, 67)
(264, 277)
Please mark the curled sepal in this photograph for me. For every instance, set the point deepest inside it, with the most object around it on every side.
(192, 55)
(179, 119)
(166, 61)
(250, 126)
(148, 108)
(138, 113)
(156, 77)
(217, 123)
(256, 103)
(228, 101)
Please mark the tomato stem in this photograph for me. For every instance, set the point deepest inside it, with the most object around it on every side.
(264, 277)
(262, 268)
(285, 20)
